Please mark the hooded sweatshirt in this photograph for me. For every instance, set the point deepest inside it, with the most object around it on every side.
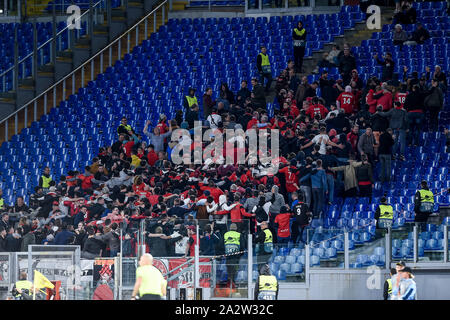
(221, 218)
(278, 200)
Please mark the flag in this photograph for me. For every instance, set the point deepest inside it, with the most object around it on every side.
(40, 281)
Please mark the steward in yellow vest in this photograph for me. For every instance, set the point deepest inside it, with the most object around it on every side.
(384, 214)
(299, 43)
(191, 106)
(124, 128)
(23, 289)
(45, 179)
(266, 287)
(264, 69)
(423, 203)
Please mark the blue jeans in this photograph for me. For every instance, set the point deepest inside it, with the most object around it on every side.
(330, 182)
(415, 120)
(307, 193)
(281, 240)
(226, 103)
(400, 142)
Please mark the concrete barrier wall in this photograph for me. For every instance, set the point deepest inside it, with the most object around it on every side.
(353, 285)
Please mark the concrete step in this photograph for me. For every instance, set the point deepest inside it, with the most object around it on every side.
(67, 54)
(48, 68)
(353, 37)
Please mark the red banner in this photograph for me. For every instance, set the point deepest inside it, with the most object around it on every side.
(186, 278)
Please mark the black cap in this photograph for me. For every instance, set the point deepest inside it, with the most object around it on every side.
(401, 263)
(406, 269)
(284, 209)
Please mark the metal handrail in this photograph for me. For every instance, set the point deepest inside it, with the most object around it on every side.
(81, 66)
(48, 41)
(169, 278)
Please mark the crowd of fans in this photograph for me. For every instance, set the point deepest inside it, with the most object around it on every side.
(332, 134)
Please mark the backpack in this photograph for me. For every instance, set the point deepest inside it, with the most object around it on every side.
(261, 214)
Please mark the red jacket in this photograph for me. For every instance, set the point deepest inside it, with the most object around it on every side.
(283, 220)
(236, 213)
(353, 139)
(215, 192)
(86, 181)
(371, 101)
(401, 97)
(291, 179)
(385, 101)
(127, 147)
(317, 109)
(152, 157)
(251, 123)
(347, 102)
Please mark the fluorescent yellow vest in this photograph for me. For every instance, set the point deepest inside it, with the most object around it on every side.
(191, 101)
(267, 283)
(386, 212)
(46, 181)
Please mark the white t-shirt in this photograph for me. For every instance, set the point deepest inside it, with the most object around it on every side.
(214, 120)
(181, 245)
(323, 145)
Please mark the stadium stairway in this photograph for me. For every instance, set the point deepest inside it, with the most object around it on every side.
(179, 5)
(352, 36)
(67, 58)
(37, 8)
(85, 47)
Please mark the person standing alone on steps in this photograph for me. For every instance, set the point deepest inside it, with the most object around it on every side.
(264, 69)
(299, 38)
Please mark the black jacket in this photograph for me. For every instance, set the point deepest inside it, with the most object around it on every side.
(364, 173)
(420, 33)
(302, 213)
(414, 101)
(379, 123)
(2, 244)
(386, 144)
(341, 123)
(388, 69)
(259, 101)
(12, 244)
(93, 246)
(346, 64)
(160, 247)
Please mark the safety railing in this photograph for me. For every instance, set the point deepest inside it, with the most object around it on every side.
(9, 8)
(66, 86)
(201, 4)
(36, 8)
(255, 6)
(47, 52)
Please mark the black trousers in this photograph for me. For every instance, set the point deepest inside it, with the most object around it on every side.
(351, 193)
(232, 267)
(421, 217)
(434, 119)
(267, 76)
(299, 53)
(278, 3)
(150, 297)
(365, 191)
